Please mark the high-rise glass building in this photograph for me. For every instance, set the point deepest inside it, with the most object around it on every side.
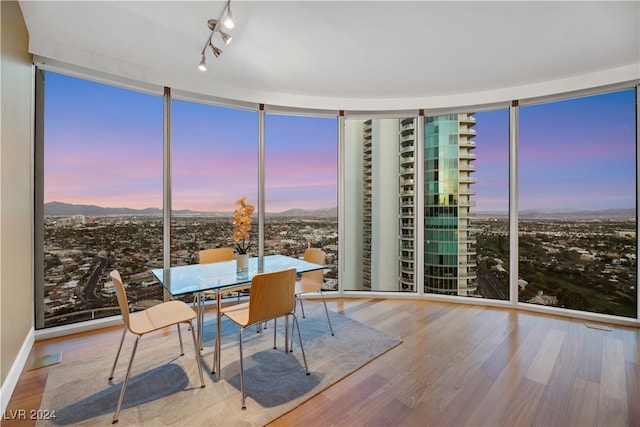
(449, 246)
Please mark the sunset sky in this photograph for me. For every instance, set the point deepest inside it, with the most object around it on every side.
(103, 146)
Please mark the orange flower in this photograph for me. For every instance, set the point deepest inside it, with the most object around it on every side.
(242, 225)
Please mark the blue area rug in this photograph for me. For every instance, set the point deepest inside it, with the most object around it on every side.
(164, 389)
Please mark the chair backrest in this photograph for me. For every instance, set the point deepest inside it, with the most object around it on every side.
(316, 256)
(123, 301)
(208, 256)
(271, 295)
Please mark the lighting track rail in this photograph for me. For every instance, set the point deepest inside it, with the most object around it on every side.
(225, 17)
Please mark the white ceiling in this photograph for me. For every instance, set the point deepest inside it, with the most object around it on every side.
(354, 55)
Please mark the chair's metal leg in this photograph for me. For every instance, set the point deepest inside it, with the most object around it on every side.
(244, 406)
(295, 306)
(304, 357)
(286, 334)
(126, 380)
(180, 338)
(275, 324)
(113, 368)
(197, 353)
(302, 307)
(292, 335)
(326, 312)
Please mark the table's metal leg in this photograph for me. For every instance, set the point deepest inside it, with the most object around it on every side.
(200, 320)
(218, 334)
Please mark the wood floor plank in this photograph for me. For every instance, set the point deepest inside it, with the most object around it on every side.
(632, 376)
(503, 352)
(554, 405)
(386, 415)
(469, 397)
(631, 341)
(371, 409)
(546, 357)
(495, 402)
(583, 403)
(612, 404)
(590, 368)
(305, 414)
(522, 408)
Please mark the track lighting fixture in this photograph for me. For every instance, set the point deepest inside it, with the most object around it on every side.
(214, 27)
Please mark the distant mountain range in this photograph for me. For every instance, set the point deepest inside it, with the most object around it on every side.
(566, 213)
(60, 208)
(578, 213)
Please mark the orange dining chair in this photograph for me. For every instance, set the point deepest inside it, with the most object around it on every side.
(312, 281)
(208, 256)
(151, 319)
(271, 296)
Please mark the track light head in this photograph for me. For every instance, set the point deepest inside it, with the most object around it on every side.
(217, 52)
(228, 21)
(226, 37)
(203, 64)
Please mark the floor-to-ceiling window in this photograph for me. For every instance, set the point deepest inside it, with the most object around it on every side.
(439, 209)
(214, 162)
(577, 204)
(384, 200)
(466, 204)
(489, 215)
(102, 197)
(301, 188)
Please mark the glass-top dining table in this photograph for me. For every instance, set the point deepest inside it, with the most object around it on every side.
(222, 277)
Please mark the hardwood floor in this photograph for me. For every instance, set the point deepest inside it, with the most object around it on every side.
(458, 365)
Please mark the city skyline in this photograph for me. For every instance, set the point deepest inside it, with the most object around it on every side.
(104, 147)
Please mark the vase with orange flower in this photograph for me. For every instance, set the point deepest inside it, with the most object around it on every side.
(241, 229)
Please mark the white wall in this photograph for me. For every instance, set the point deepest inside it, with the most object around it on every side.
(16, 197)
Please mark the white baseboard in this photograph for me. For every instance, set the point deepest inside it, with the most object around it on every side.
(9, 384)
(74, 328)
